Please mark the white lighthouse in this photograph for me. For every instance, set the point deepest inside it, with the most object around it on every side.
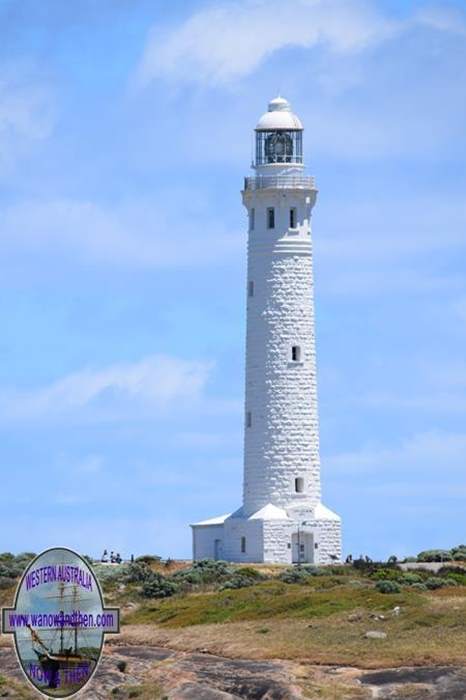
(282, 518)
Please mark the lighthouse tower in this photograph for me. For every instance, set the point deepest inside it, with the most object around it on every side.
(282, 518)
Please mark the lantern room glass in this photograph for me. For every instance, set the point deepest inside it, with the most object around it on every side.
(279, 146)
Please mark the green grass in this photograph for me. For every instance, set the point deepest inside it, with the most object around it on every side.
(269, 600)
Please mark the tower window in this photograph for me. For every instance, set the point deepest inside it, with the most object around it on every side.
(243, 545)
(248, 419)
(252, 219)
(270, 217)
(296, 353)
(293, 218)
(250, 288)
(299, 484)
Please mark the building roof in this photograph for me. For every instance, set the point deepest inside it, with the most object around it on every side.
(269, 512)
(219, 520)
(279, 116)
(321, 512)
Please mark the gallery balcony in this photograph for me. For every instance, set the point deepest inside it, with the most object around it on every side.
(296, 182)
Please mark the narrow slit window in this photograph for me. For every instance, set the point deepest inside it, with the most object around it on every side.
(248, 419)
(299, 484)
(296, 353)
(270, 217)
(251, 288)
(293, 218)
(243, 545)
(252, 219)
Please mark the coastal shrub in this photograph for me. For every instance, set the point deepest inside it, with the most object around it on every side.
(434, 555)
(158, 586)
(11, 569)
(419, 586)
(12, 566)
(387, 586)
(7, 582)
(409, 579)
(298, 574)
(454, 573)
(335, 571)
(148, 559)
(313, 570)
(459, 553)
(251, 572)
(386, 574)
(204, 572)
(237, 581)
(138, 572)
(110, 576)
(241, 578)
(437, 582)
(7, 556)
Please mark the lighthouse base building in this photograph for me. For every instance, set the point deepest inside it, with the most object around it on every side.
(272, 535)
(282, 518)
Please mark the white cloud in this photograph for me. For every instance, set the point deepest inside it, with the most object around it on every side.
(443, 18)
(226, 41)
(430, 452)
(26, 111)
(159, 381)
(164, 232)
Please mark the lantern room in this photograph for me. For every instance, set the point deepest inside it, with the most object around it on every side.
(279, 135)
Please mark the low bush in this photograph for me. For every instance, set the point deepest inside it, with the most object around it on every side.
(298, 574)
(387, 586)
(409, 579)
(148, 559)
(158, 586)
(454, 573)
(385, 574)
(138, 572)
(238, 581)
(7, 582)
(204, 572)
(419, 586)
(459, 553)
(433, 583)
(12, 566)
(434, 555)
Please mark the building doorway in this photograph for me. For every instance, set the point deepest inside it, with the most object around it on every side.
(302, 547)
(218, 550)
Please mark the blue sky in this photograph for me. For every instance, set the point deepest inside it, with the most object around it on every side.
(125, 131)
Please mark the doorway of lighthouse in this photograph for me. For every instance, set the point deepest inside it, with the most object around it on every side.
(302, 547)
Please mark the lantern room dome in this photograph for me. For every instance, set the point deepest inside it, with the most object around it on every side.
(279, 116)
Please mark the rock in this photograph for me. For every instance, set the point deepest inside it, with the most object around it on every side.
(355, 617)
(374, 634)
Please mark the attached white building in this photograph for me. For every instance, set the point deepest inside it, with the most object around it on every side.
(282, 518)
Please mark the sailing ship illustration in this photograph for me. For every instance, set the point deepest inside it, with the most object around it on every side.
(71, 656)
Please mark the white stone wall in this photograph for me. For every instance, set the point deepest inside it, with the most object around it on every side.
(282, 442)
(204, 537)
(277, 537)
(328, 537)
(267, 540)
(235, 529)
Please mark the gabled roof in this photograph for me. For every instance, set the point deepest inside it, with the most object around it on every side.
(269, 512)
(321, 512)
